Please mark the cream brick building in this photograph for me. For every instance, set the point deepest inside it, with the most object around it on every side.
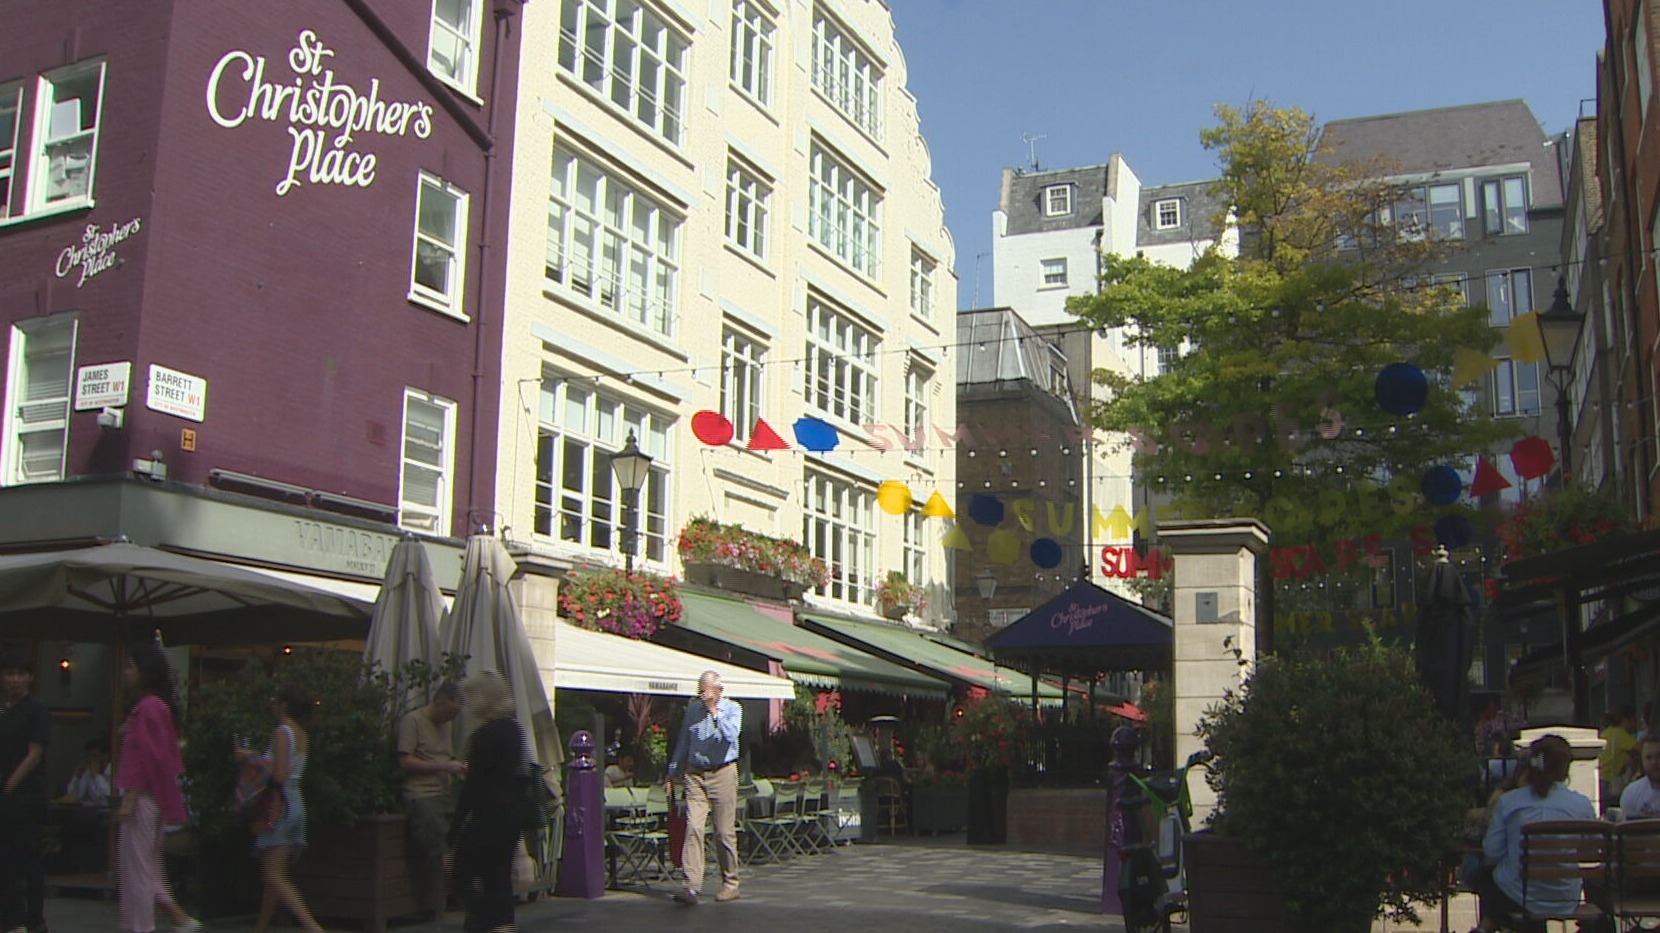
(727, 206)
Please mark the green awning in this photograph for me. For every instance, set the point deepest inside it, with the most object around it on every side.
(910, 647)
(807, 657)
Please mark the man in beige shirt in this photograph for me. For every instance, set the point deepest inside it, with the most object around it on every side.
(427, 757)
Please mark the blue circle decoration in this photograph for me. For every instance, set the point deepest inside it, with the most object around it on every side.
(1453, 531)
(816, 434)
(1046, 553)
(987, 510)
(1442, 485)
(1401, 388)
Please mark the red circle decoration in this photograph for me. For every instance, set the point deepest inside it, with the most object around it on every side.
(712, 428)
(1532, 457)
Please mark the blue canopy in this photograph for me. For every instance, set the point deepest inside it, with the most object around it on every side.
(1087, 628)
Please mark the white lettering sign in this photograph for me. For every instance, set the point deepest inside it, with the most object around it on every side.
(176, 393)
(313, 104)
(96, 251)
(102, 386)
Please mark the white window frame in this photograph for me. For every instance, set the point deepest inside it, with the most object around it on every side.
(49, 134)
(432, 519)
(11, 102)
(839, 378)
(748, 202)
(1057, 200)
(752, 45)
(1500, 215)
(915, 549)
(466, 35)
(838, 519)
(847, 75)
(1174, 205)
(598, 248)
(1505, 301)
(1052, 272)
(636, 61)
(919, 379)
(742, 385)
(450, 300)
(844, 212)
(37, 406)
(922, 284)
(578, 502)
(1515, 388)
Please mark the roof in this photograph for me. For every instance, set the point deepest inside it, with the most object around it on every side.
(1200, 208)
(1013, 352)
(1023, 198)
(1445, 139)
(589, 660)
(905, 646)
(1088, 628)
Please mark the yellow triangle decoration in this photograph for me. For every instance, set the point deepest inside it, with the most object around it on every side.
(956, 539)
(937, 507)
(1525, 340)
(1470, 365)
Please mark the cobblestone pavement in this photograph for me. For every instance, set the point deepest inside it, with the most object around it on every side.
(910, 885)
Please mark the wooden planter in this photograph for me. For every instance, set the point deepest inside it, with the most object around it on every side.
(939, 808)
(361, 872)
(748, 582)
(1228, 889)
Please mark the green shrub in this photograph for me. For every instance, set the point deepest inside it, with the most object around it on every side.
(1341, 776)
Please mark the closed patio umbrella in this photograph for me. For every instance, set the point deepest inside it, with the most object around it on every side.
(484, 625)
(404, 626)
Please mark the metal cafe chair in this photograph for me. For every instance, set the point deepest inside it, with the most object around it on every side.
(1569, 849)
(1636, 871)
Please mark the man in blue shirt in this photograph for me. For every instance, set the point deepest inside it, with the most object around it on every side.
(706, 759)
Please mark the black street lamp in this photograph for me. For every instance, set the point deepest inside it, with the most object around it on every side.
(631, 466)
(1560, 325)
(986, 582)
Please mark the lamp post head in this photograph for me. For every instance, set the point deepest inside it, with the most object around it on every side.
(1560, 325)
(986, 582)
(631, 465)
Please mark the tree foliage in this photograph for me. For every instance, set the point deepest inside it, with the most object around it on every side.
(1268, 407)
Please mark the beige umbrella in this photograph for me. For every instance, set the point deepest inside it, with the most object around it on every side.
(485, 626)
(404, 626)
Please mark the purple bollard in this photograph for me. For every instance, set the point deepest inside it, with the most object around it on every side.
(582, 870)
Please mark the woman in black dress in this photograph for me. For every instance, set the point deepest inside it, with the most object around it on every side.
(484, 832)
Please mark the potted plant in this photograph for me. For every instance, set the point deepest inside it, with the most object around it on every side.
(1338, 776)
(897, 597)
(991, 731)
(939, 802)
(732, 557)
(633, 605)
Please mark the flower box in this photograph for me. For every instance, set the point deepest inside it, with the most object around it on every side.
(705, 544)
(738, 580)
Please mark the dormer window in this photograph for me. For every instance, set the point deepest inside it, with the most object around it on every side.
(1167, 214)
(1057, 200)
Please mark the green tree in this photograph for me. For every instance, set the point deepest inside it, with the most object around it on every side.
(1268, 408)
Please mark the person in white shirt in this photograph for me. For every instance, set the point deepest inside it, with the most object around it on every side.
(90, 784)
(1641, 798)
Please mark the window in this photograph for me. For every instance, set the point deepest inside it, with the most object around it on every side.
(918, 384)
(839, 528)
(1053, 272)
(841, 364)
(1509, 294)
(631, 56)
(1515, 388)
(42, 367)
(752, 51)
(740, 381)
(440, 238)
(577, 498)
(1458, 281)
(1167, 357)
(11, 105)
(843, 212)
(428, 463)
(1504, 205)
(1167, 214)
(847, 76)
(915, 549)
(68, 105)
(611, 243)
(1430, 209)
(922, 285)
(1057, 200)
(746, 209)
(453, 55)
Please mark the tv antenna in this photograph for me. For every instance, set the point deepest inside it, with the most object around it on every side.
(1031, 147)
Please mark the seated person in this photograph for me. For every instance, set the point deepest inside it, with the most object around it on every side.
(621, 772)
(1543, 797)
(89, 786)
(84, 813)
(1641, 798)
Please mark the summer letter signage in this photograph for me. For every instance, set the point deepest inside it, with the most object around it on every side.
(314, 105)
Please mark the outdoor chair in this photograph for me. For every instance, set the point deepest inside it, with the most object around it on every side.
(775, 832)
(1637, 870)
(754, 803)
(891, 814)
(1569, 849)
(814, 835)
(637, 833)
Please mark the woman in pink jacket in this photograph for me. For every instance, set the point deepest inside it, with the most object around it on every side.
(148, 780)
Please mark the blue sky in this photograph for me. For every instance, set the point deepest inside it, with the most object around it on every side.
(1141, 77)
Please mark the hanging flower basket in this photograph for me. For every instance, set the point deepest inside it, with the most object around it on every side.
(897, 597)
(705, 543)
(608, 600)
(1562, 518)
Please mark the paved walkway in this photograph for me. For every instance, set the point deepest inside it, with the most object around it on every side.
(913, 885)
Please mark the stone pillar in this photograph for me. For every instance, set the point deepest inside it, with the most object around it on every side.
(1216, 618)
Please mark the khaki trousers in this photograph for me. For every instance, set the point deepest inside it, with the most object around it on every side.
(715, 791)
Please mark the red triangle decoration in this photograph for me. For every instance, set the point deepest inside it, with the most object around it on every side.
(1488, 479)
(763, 437)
